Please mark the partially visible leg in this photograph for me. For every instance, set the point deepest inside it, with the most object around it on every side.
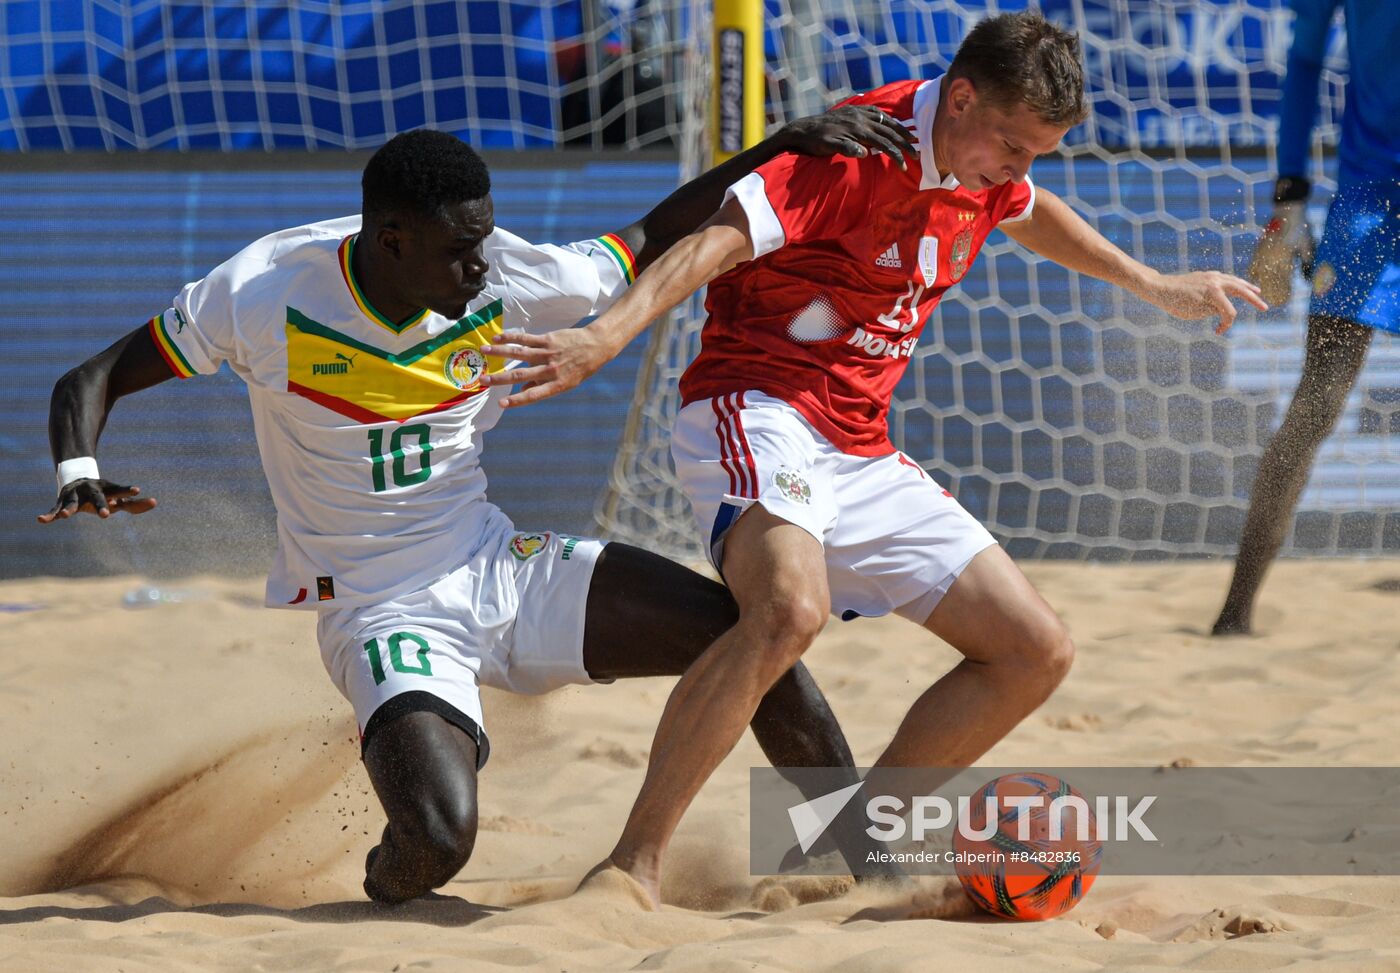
(778, 576)
(1336, 351)
(424, 770)
(1016, 651)
(648, 616)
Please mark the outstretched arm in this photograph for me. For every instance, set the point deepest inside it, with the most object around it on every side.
(1057, 233)
(560, 360)
(684, 254)
(853, 130)
(78, 410)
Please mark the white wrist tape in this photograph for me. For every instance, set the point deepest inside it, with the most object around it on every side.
(77, 468)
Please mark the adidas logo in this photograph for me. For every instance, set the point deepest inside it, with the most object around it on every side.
(890, 258)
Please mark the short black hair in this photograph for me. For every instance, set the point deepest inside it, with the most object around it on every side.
(420, 172)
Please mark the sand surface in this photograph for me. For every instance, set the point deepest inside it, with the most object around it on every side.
(182, 792)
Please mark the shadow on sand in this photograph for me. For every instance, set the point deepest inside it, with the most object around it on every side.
(431, 910)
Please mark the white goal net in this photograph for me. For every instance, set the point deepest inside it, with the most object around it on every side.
(1071, 419)
(1074, 422)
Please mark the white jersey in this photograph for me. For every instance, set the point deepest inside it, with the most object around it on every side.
(370, 431)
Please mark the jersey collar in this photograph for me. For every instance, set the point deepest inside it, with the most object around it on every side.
(347, 270)
(925, 108)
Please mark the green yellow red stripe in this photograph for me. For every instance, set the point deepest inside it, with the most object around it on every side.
(488, 317)
(359, 413)
(369, 385)
(168, 349)
(622, 253)
(346, 253)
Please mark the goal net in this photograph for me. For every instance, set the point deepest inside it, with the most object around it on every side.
(338, 74)
(1070, 418)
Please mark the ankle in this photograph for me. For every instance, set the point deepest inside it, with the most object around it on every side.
(636, 861)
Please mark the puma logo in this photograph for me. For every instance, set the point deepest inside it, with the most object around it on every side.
(340, 366)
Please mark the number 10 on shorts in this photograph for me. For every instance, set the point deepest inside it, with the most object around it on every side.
(396, 641)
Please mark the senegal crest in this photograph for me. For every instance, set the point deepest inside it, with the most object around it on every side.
(463, 367)
(794, 487)
(526, 546)
(960, 255)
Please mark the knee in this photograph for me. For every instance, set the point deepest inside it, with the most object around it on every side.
(1044, 658)
(1054, 650)
(441, 836)
(782, 629)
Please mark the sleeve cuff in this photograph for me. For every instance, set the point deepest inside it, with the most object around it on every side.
(765, 230)
(178, 358)
(621, 255)
(1025, 214)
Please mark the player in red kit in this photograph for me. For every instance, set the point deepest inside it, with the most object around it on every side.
(823, 273)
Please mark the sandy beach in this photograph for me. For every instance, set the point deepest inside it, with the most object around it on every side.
(183, 792)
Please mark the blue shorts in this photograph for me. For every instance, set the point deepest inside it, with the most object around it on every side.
(1357, 273)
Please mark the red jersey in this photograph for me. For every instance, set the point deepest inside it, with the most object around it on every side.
(851, 256)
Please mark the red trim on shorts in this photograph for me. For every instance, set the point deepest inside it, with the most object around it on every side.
(722, 433)
(735, 454)
(922, 472)
(748, 453)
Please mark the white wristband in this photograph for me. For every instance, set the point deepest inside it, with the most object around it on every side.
(77, 468)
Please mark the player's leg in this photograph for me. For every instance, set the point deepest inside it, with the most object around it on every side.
(1356, 288)
(776, 572)
(1336, 351)
(921, 554)
(409, 667)
(423, 768)
(746, 462)
(648, 616)
(1015, 652)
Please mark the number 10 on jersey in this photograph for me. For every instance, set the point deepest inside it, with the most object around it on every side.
(400, 447)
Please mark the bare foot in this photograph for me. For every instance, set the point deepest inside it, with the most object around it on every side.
(1231, 624)
(607, 878)
(373, 891)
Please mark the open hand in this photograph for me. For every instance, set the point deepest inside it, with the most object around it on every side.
(101, 497)
(554, 362)
(852, 130)
(1203, 294)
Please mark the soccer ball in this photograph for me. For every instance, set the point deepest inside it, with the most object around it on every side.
(1031, 877)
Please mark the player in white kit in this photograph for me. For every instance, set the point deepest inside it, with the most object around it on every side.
(360, 342)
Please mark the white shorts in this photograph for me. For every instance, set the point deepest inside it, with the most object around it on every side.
(511, 618)
(895, 540)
